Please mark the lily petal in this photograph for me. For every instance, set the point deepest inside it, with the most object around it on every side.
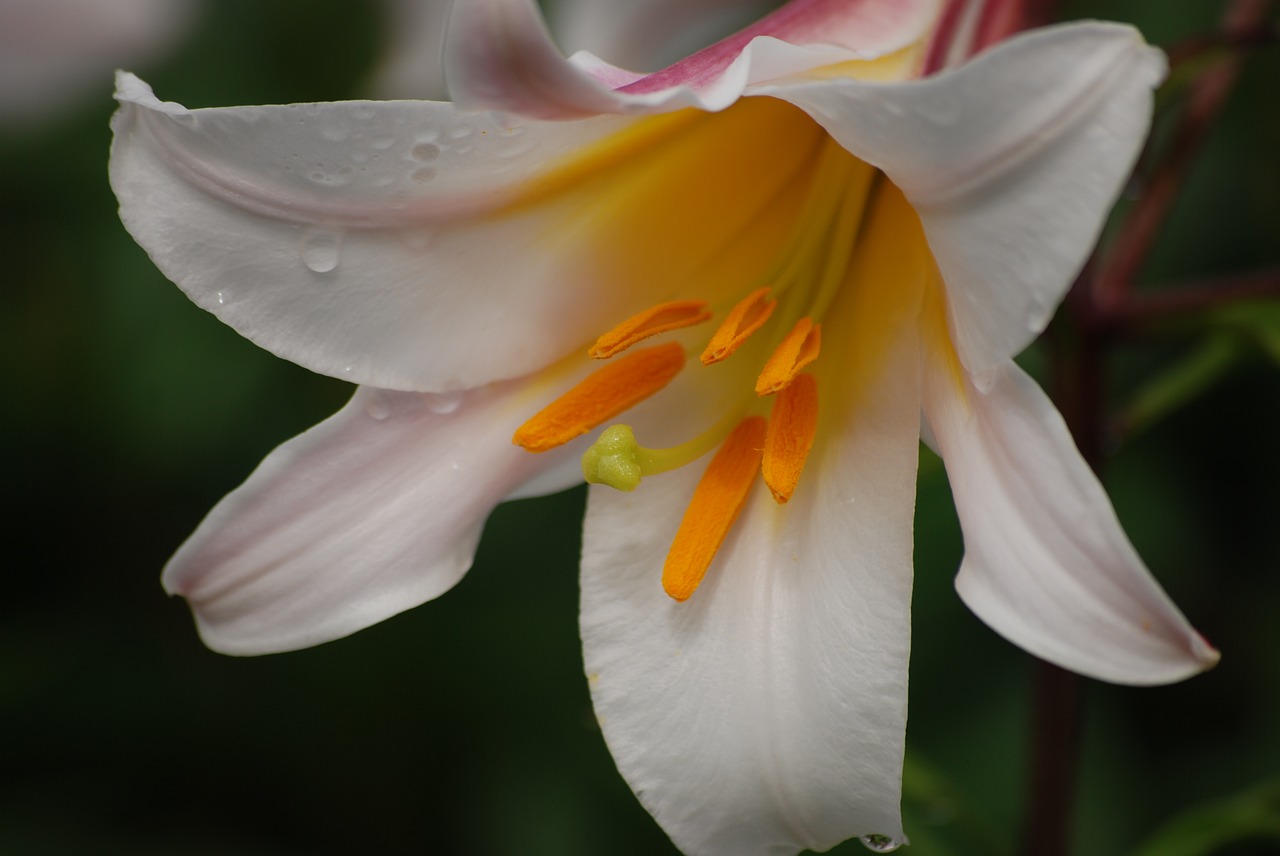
(1012, 162)
(359, 239)
(766, 714)
(374, 511)
(1046, 564)
(500, 57)
(645, 35)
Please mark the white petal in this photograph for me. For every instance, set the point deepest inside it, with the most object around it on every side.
(369, 513)
(648, 34)
(766, 714)
(500, 57)
(369, 240)
(1046, 563)
(350, 237)
(1012, 162)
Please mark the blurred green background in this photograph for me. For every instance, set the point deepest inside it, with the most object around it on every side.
(464, 726)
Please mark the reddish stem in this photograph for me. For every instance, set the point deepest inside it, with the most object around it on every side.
(1101, 304)
(1205, 101)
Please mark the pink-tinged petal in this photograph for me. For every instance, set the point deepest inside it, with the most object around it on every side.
(860, 29)
(1046, 563)
(646, 35)
(405, 245)
(966, 27)
(766, 714)
(372, 512)
(1012, 160)
(501, 57)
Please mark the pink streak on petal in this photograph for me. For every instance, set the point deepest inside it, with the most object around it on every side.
(865, 26)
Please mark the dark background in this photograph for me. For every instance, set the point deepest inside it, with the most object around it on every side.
(464, 726)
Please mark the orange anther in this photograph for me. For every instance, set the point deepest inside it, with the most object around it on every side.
(657, 319)
(743, 320)
(792, 426)
(797, 350)
(717, 502)
(600, 396)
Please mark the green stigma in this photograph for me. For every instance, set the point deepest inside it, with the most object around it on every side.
(614, 459)
(619, 461)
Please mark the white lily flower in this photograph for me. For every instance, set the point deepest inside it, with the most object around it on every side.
(869, 249)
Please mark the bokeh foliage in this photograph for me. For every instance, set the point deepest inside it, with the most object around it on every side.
(464, 726)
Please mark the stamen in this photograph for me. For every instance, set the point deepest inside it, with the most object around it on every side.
(600, 396)
(797, 350)
(743, 320)
(716, 504)
(792, 426)
(657, 319)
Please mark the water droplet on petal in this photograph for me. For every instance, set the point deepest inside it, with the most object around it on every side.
(880, 843)
(319, 250)
(425, 151)
(422, 176)
(221, 299)
(444, 402)
(382, 143)
(377, 405)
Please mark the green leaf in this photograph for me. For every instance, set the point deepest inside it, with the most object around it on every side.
(1252, 816)
(1189, 377)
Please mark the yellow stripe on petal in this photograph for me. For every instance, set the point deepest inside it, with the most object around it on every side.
(602, 395)
(716, 504)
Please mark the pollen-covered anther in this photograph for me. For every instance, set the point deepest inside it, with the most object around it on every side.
(793, 354)
(792, 426)
(743, 319)
(717, 502)
(602, 395)
(662, 318)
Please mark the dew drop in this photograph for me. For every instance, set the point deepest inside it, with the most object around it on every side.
(444, 402)
(425, 151)
(377, 405)
(319, 250)
(221, 299)
(880, 843)
(423, 175)
(382, 143)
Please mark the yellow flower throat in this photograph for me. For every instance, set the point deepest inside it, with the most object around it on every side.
(773, 431)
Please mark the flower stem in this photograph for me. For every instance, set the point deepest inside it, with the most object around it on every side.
(1204, 103)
